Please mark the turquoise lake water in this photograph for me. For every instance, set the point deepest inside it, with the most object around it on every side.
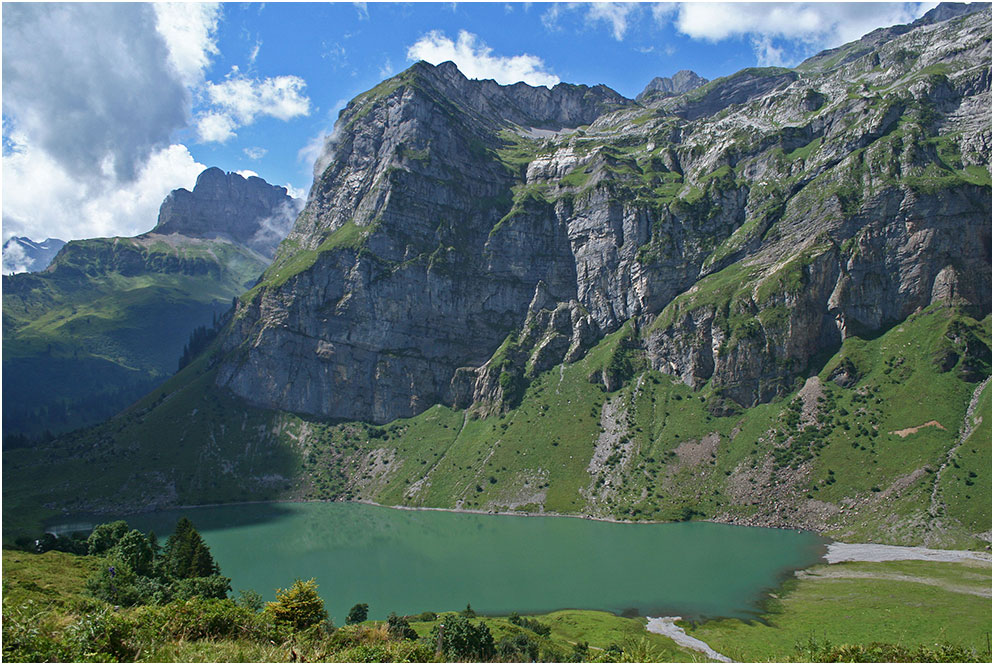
(409, 561)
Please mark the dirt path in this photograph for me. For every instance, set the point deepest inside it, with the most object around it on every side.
(897, 577)
(838, 552)
(667, 626)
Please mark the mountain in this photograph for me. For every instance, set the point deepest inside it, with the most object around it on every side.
(763, 301)
(247, 211)
(683, 81)
(25, 255)
(109, 318)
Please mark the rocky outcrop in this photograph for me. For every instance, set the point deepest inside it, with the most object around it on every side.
(683, 81)
(248, 211)
(462, 237)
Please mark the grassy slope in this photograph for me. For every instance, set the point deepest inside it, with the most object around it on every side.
(154, 453)
(91, 335)
(535, 458)
(901, 602)
(207, 447)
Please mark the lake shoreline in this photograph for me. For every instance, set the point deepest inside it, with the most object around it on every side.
(835, 551)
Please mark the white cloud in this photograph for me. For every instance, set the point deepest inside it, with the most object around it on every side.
(254, 53)
(247, 173)
(238, 101)
(190, 32)
(74, 87)
(43, 199)
(475, 59)
(15, 259)
(244, 98)
(255, 152)
(768, 55)
(296, 192)
(811, 26)
(215, 127)
(362, 10)
(615, 14)
(387, 69)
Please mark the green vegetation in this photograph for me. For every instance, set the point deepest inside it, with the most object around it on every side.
(894, 611)
(666, 452)
(108, 322)
(50, 612)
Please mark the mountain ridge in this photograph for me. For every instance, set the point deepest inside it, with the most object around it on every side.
(731, 304)
(107, 320)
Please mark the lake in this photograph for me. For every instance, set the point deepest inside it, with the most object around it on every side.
(409, 561)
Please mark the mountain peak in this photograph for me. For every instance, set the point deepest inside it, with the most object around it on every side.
(247, 210)
(683, 81)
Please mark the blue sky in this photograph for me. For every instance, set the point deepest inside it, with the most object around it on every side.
(108, 107)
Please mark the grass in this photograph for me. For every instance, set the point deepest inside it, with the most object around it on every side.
(52, 579)
(79, 349)
(873, 605)
(598, 629)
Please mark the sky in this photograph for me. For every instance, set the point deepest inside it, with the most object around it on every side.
(109, 107)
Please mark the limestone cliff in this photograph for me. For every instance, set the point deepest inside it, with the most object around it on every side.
(462, 236)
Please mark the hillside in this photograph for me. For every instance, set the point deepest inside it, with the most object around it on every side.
(108, 320)
(765, 300)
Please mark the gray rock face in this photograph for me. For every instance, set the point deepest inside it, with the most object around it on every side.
(248, 211)
(462, 237)
(683, 81)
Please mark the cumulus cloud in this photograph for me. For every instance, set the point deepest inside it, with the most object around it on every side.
(247, 173)
(476, 60)
(15, 259)
(90, 84)
(806, 27)
(238, 100)
(41, 198)
(215, 127)
(615, 14)
(190, 32)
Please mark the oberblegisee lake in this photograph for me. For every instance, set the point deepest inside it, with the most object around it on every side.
(408, 561)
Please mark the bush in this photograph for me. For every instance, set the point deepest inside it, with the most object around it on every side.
(106, 536)
(518, 648)
(358, 613)
(462, 639)
(250, 599)
(135, 551)
(399, 629)
(299, 606)
(212, 586)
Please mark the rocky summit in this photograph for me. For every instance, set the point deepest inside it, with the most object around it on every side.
(109, 319)
(248, 211)
(464, 237)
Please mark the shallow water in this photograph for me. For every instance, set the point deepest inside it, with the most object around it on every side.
(409, 561)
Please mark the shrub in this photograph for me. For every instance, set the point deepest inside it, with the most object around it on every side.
(106, 536)
(250, 599)
(461, 639)
(357, 614)
(399, 628)
(299, 606)
(211, 586)
(135, 550)
(518, 648)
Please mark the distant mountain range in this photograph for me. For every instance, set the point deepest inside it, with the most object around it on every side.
(110, 317)
(25, 255)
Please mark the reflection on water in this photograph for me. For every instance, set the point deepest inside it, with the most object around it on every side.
(409, 561)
